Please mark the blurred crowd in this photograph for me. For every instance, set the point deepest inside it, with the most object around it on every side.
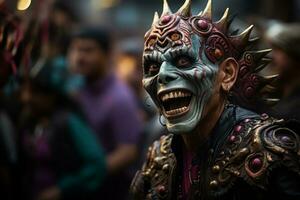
(75, 122)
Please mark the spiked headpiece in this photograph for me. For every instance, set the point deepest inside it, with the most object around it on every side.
(175, 29)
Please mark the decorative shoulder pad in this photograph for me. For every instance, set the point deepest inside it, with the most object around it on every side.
(251, 151)
(154, 180)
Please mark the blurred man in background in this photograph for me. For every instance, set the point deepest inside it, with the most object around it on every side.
(61, 156)
(109, 106)
(285, 42)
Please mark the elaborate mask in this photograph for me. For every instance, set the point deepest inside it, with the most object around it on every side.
(181, 60)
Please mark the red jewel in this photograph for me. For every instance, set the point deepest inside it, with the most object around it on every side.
(165, 19)
(202, 24)
(247, 120)
(232, 138)
(161, 189)
(238, 128)
(218, 54)
(256, 164)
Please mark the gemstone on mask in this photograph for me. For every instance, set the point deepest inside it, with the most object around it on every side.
(218, 53)
(165, 19)
(202, 24)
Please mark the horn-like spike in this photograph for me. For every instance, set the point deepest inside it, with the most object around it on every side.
(270, 78)
(268, 89)
(271, 101)
(254, 40)
(222, 24)
(258, 55)
(207, 13)
(155, 18)
(245, 35)
(185, 9)
(242, 40)
(247, 31)
(166, 8)
(264, 64)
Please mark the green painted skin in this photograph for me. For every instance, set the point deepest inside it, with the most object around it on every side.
(198, 77)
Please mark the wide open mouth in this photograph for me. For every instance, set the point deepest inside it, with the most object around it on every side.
(176, 102)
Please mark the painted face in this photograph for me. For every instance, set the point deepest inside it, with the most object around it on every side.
(180, 69)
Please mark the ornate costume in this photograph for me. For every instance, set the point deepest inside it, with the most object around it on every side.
(247, 156)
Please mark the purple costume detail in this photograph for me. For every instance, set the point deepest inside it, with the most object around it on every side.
(111, 109)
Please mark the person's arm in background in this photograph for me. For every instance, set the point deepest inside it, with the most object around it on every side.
(93, 170)
(123, 156)
(127, 128)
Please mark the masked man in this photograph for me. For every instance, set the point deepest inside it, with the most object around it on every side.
(193, 68)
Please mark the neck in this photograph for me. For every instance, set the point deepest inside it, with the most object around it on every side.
(96, 76)
(200, 135)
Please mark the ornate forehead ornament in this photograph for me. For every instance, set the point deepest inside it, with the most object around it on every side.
(172, 30)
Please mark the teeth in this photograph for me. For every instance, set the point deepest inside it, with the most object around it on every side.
(175, 94)
(171, 95)
(177, 111)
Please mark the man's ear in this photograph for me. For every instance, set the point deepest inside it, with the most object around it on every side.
(229, 70)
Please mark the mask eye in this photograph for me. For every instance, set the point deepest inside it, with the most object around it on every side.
(183, 61)
(151, 68)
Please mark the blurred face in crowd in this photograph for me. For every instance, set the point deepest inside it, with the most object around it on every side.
(87, 58)
(281, 61)
(283, 64)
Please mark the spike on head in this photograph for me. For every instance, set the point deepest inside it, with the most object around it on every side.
(185, 9)
(222, 24)
(246, 33)
(166, 9)
(241, 41)
(258, 55)
(207, 13)
(263, 64)
(271, 101)
(155, 18)
(271, 78)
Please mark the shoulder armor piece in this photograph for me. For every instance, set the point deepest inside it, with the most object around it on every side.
(251, 151)
(154, 181)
